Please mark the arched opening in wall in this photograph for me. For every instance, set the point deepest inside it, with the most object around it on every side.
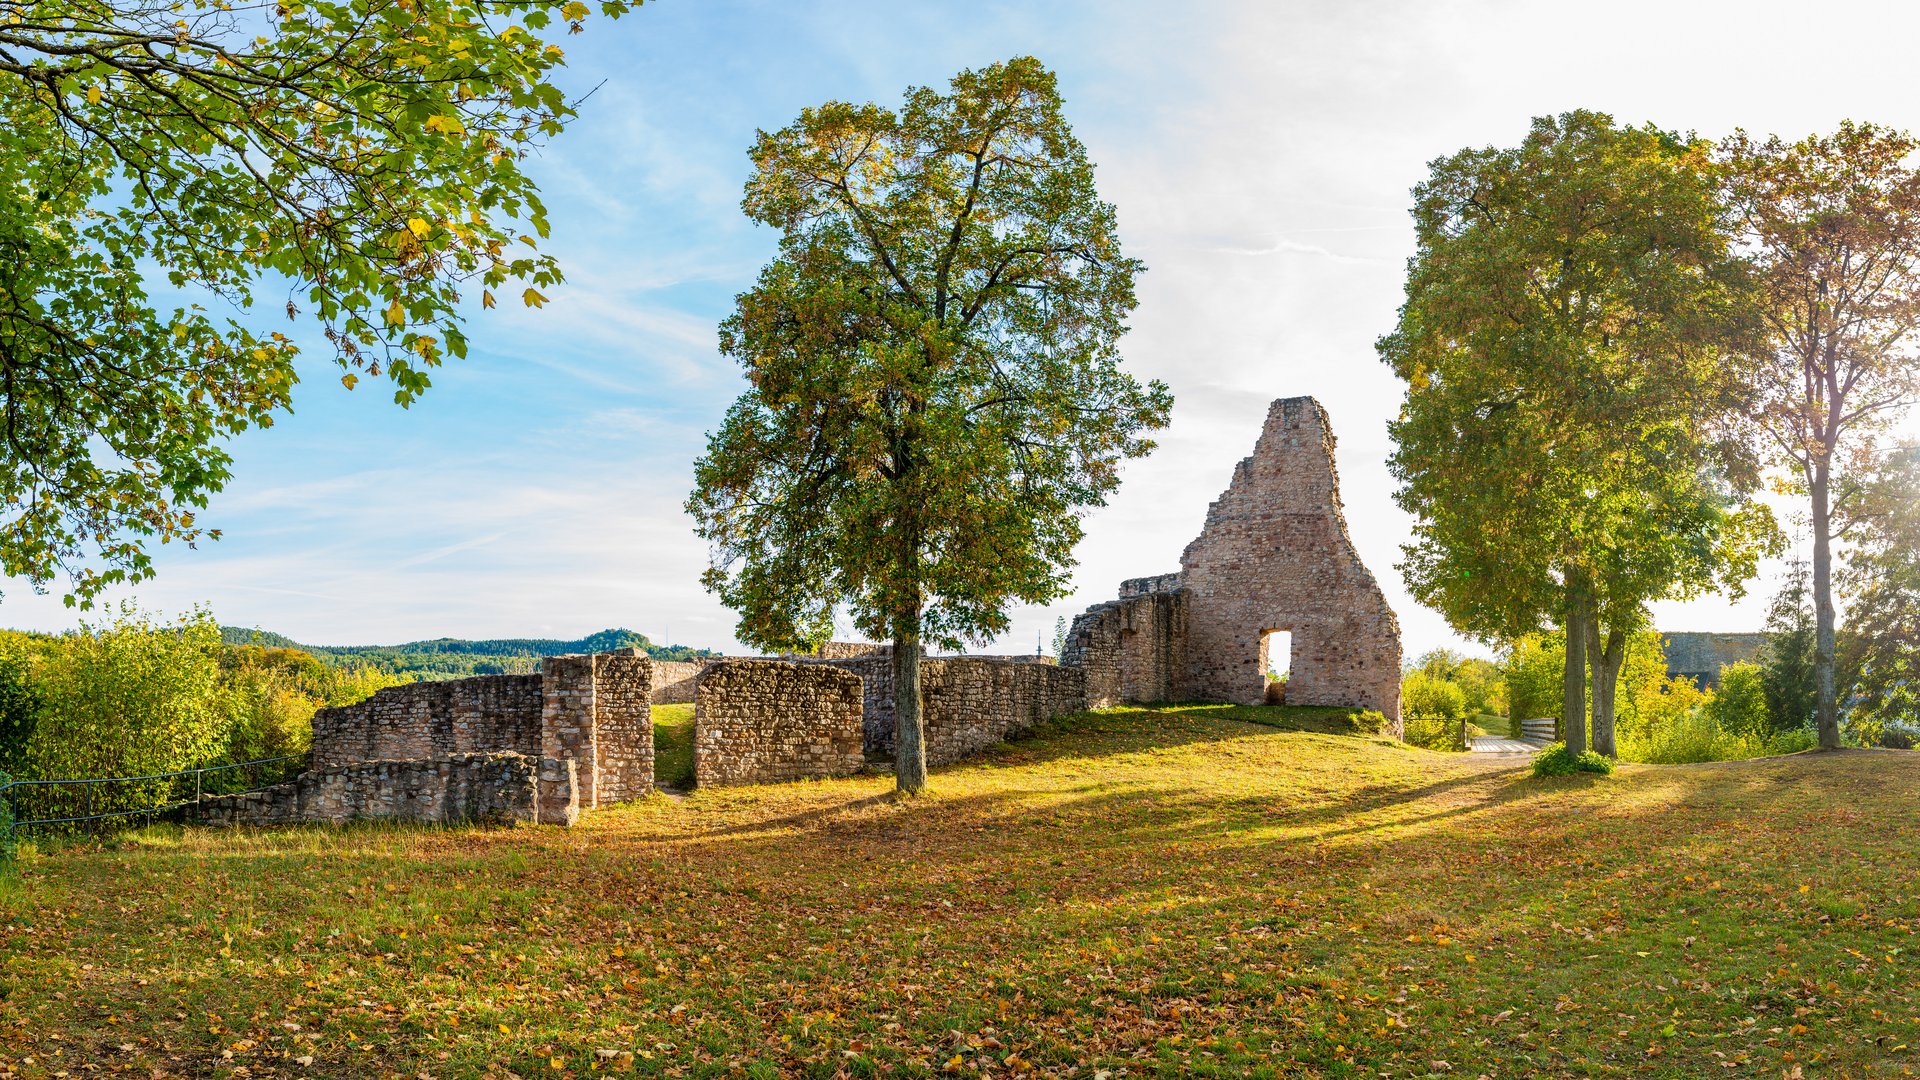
(1276, 663)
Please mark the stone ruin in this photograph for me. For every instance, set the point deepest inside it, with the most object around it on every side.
(1274, 556)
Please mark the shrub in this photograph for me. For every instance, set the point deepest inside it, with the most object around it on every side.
(1428, 697)
(6, 822)
(1557, 760)
(1432, 733)
(129, 697)
(1739, 706)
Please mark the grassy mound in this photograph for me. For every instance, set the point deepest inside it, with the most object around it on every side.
(1148, 892)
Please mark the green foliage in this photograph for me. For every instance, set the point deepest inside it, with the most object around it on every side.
(935, 391)
(129, 697)
(1481, 683)
(1738, 705)
(1882, 583)
(1788, 663)
(8, 844)
(1429, 698)
(1533, 666)
(1433, 733)
(20, 702)
(362, 158)
(1060, 628)
(1557, 760)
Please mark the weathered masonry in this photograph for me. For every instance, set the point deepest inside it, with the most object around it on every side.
(759, 721)
(1273, 558)
(580, 732)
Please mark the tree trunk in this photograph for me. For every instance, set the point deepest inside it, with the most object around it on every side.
(1606, 663)
(1573, 709)
(909, 727)
(1826, 709)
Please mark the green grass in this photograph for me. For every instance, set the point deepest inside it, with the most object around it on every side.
(1167, 892)
(673, 746)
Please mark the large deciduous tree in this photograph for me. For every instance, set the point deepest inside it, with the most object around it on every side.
(1832, 226)
(175, 175)
(934, 382)
(1567, 442)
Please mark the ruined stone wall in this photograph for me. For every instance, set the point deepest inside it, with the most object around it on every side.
(597, 713)
(432, 720)
(1134, 648)
(673, 680)
(465, 788)
(763, 721)
(623, 726)
(588, 719)
(968, 703)
(1275, 555)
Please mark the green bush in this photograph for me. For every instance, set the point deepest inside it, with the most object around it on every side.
(1739, 706)
(1429, 697)
(6, 822)
(1432, 733)
(129, 697)
(1557, 760)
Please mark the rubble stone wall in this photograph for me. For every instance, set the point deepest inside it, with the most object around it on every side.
(764, 721)
(968, 703)
(496, 789)
(623, 726)
(432, 720)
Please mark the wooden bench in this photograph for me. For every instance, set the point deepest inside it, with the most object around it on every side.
(1540, 730)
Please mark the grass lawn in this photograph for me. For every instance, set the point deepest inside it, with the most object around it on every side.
(1129, 893)
(673, 746)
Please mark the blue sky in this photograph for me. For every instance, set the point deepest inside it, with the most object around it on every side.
(1260, 155)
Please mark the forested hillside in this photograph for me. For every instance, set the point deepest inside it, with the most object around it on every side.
(449, 658)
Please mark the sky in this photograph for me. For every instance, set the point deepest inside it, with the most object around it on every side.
(1260, 154)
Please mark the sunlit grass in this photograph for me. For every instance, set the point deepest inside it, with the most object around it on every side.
(1147, 892)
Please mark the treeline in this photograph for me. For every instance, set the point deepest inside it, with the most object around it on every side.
(455, 658)
(133, 696)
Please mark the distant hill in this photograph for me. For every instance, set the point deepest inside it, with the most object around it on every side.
(452, 658)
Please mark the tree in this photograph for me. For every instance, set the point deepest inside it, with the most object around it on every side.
(1787, 663)
(1882, 583)
(1567, 443)
(1832, 225)
(166, 167)
(935, 391)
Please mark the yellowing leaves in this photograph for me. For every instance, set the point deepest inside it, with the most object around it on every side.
(533, 299)
(418, 226)
(574, 11)
(396, 315)
(93, 95)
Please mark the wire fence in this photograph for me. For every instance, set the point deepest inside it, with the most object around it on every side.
(107, 803)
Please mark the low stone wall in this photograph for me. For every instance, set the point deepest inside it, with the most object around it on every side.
(762, 721)
(673, 680)
(496, 789)
(968, 703)
(432, 720)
